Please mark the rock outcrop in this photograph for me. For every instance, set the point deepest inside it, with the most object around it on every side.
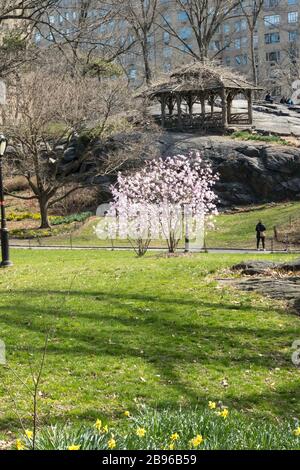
(285, 288)
(262, 267)
(249, 173)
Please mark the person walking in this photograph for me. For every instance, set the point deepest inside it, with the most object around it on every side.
(261, 235)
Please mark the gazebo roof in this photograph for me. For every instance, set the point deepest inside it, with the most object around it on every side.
(199, 76)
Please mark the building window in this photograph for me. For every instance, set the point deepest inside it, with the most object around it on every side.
(271, 20)
(293, 17)
(272, 38)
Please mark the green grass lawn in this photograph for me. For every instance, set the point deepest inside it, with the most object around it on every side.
(236, 230)
(127, 331)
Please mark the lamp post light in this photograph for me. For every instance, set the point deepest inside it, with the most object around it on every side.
(4, 231)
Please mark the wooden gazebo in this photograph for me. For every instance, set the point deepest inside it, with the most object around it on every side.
(211, 88)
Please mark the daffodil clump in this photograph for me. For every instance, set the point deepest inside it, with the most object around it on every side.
(74, 447)
(297, 432)
(196, 441)
(214, 427)
(100, 428)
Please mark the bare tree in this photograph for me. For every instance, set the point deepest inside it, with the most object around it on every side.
(87, 31)
(49, 111)
(204, 18)
(284, 76)
(251, 12)
(142, 19)
(25, 10)
(18, 18)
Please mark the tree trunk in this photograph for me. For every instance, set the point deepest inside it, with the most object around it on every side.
(148, 74)
(43, 203)
(254, 69)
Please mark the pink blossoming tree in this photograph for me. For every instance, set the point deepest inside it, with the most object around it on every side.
(150, 203)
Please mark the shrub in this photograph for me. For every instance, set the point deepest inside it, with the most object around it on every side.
(59, 220)
(29, 234)
(16, 184)
(55, 220)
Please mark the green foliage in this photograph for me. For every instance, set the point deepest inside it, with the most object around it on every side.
(69, 219)
(30, 234)
(176, 429)
(102, 68)
(55, 220)
(112, 127)
(57, 129)
(13, 42)
(244, 135)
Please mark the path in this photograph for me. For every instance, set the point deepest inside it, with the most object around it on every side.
(193, 250)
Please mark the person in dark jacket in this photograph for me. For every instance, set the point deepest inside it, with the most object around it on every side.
(269, 98)
(261, 235)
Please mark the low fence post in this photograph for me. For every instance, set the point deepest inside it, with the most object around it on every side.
(204, 245)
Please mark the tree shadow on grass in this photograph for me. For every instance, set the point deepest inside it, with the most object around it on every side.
(169, 346)
(113, 296)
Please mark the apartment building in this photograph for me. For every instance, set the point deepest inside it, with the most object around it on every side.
(275, 40)
(275, 43)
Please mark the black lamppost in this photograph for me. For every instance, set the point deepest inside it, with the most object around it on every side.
(4, 232)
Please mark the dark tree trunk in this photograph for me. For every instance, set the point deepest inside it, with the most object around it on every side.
(43, 203)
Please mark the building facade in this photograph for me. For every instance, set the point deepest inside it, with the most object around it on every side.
(272, 49)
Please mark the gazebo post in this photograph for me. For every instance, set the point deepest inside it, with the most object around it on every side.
(212, 105)
(250, 106)
(190, 105)
(202, 100)
(179, 113)
(224, 108)
(170, 106)
(163, 110)
(229, 104)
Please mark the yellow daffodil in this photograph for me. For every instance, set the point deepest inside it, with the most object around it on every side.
(98, 425)
(74, 447)
(111, 443)
(224, 413)
(19, 445)
(297, 432)
(127, 414)
(29, 434)
(174, 437)
(141, 432)
(105, 429)
(196, 441)
(212, 405)
(172, 446)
